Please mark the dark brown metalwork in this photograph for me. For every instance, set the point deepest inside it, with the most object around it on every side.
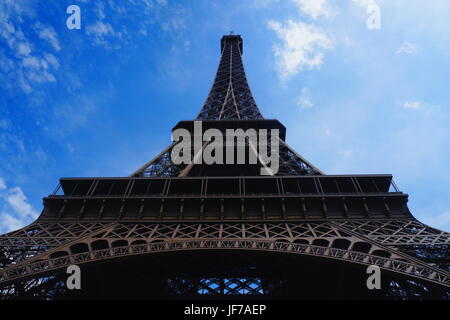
(231, 103)
(224, 231)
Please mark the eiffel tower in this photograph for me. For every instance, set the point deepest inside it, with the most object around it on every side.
(218, 231)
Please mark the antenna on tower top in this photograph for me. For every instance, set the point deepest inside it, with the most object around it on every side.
(231, 33)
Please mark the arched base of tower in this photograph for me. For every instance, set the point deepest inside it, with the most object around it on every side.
(230, 274)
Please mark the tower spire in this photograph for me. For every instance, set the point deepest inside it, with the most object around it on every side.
(230, 97)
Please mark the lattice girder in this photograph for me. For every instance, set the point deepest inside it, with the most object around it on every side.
(230, 97)
(322, 239)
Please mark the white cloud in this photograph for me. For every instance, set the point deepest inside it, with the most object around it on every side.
(365, 3)
(33, 62)
(314, 8)
(101, 32)
(22, 66)
(52, 60)
(407, 48)
(49, 34)
(416, 105)
(101, 10)
(24, 48)
(15, 211)
(2, 184)
(99, 29)
(41, 77)
(302, 47)
(17, 200)
(305, 100)
(9, 223)
(175, 24)
(345, 152)
(427, 109)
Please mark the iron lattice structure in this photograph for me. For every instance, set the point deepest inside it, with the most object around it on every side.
(193, 231)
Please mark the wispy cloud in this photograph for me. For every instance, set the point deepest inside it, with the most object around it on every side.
(113, 31)
(101, 32)
(407, 48)
(174, 24)
(425, 107)
(304, 100)
(76, 113)
(22, 65)
(416, 105)
(302, 47)
(315, 8)
(9, 223)
(17, 200)
(49, 34)
(365, 3)
(15, 211)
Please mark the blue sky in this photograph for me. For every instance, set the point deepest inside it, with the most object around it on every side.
(101, 101)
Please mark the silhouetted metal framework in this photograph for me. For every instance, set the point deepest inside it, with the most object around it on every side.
(230, 101)
(171, 231)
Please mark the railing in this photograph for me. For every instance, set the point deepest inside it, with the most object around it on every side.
(210, 186)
